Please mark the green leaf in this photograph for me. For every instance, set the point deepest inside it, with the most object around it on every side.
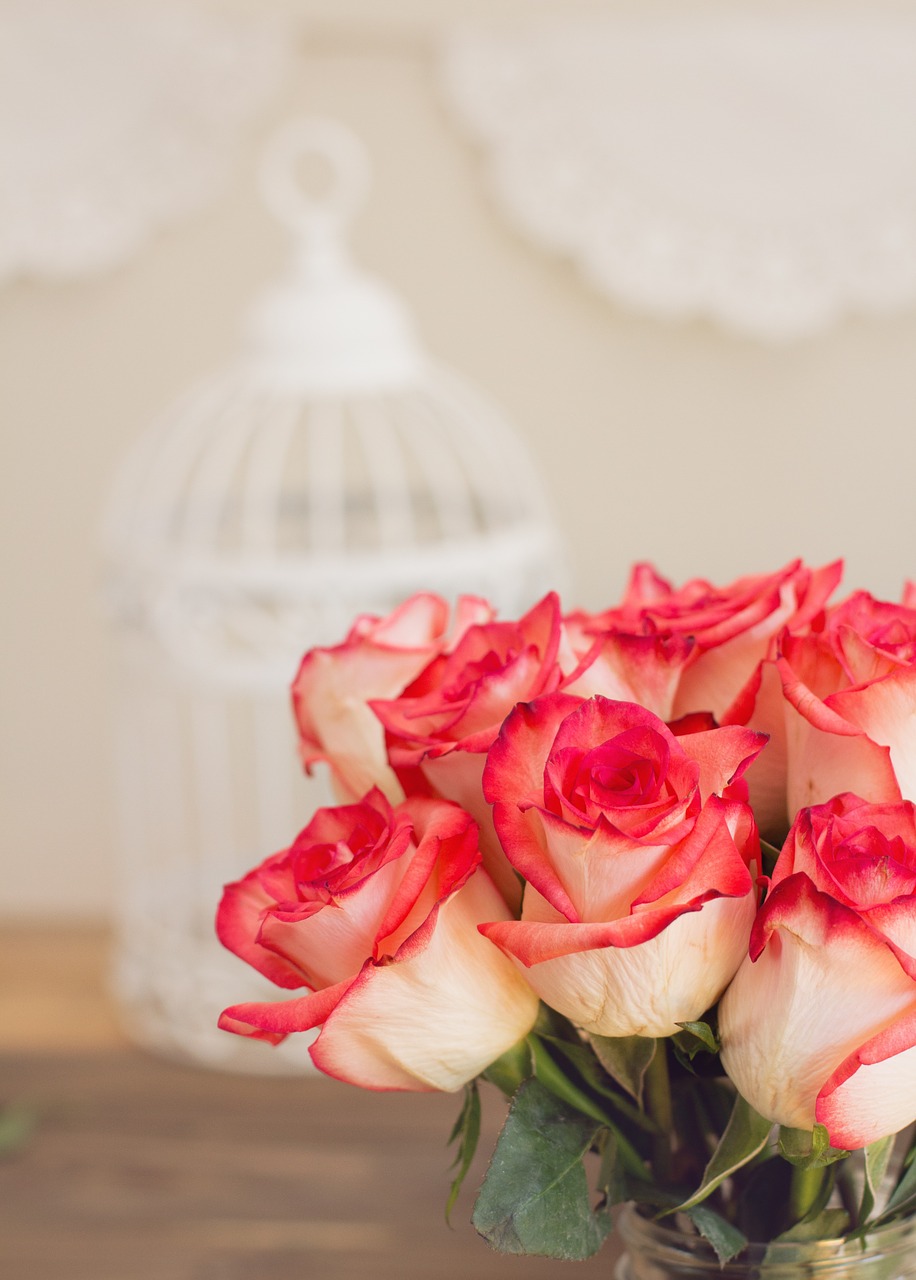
(696, 1046)
(713, 1101)
(727, 1240)
(745, 1136)
(877, 1158)
(551, 1023)
(467, 1133)
(554, 1078)
(508, 1071)
(828, 1224)
(626, 1059)
(700, 1035)
(612, 1179)
(588, 1072)
(808, 1150)
(535, 1197)
(903, 1198)
(769, 853)
(763, 1196)
(559, 1083)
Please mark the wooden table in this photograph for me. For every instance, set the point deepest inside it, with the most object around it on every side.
(140, 1169)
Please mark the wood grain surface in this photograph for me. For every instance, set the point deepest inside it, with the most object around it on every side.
(139, 1169)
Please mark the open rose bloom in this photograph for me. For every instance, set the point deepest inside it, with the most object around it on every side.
(640, 876)
(546, 869)
(819, 1025)
(376, 911)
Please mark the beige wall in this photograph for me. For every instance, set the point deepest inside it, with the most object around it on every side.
(710, 454)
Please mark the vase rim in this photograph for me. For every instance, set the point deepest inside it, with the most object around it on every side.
(636, 1226)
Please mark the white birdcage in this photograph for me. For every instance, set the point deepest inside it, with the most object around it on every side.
(333, 470)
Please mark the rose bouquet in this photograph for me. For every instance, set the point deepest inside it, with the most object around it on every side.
(651, 872)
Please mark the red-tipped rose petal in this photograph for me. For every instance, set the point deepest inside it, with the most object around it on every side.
(723, 755)
(873, 1092)
(886, 711)
(239, 919)
(274, 1021)
(673, 975)
(436, 1019)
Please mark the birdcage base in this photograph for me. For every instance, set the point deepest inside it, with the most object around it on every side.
(169, 1004)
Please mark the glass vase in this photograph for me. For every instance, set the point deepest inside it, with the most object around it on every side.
(659, 1251)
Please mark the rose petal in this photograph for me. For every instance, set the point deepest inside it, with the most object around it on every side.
(273, 1021)
(761, 705)
(886, 712)
(817, 983)
(646, 989)
(239, 920)
(437, 1019)
(600, 872)
(332, 943)
(633, 668)
(873, 1093)
(447, 855)
(723, 755)
(827, 754)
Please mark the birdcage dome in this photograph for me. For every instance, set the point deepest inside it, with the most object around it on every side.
(331, 470)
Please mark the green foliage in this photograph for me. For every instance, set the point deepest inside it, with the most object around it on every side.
(555, 1066)
(466, 1132)
(726, 1239)
(626, 1059)
(553, 1077)
(745, 1136)
(612, 1178)
(535, 1197)
(508, 1071)
(576, 1074)
(808, 1149)
(696, 1047)
(695, 1037)
(826, 1224)
(595, 1122)
(902, 1199)
(762, 1210)
(877, 1159)
(769, 853)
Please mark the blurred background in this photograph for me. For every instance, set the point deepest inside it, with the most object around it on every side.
(670, 243)
(711, 437)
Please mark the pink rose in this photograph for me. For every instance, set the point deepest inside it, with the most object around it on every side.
(840, 708)
(378, 658)
(819, 1024)
(375, 910)
(445, 721)
(639, 899)
(644, 667)
(728, 630)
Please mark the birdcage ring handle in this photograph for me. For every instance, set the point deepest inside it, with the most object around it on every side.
(285, 193)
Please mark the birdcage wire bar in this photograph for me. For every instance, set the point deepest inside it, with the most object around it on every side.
(256, 518)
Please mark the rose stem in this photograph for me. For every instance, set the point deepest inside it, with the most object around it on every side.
(806, 1183)
(658, 1105)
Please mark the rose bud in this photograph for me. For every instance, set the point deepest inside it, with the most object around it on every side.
(819, 1024)
(375, 911)
(840, 706)
(378, 658)
(638, 857)
(730, 629)
(445, 721)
